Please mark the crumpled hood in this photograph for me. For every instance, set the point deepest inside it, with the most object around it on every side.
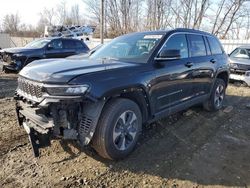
(63, 70)
(17, 50)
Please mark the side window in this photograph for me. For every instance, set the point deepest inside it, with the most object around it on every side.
(215, 45)
(68, 44)
(197, 46)
(207, 46)
(177, 42)
(79, 44)
(56, 44)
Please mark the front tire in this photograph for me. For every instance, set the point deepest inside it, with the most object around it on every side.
(118, 129)
(215, 101)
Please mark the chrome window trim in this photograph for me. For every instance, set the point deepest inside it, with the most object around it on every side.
(184, 33)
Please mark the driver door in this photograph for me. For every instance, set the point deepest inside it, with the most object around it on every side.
(54, 49)
(172, 85)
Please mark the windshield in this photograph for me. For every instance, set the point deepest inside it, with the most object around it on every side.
(134, 48)
(38, 43)
(241, 53)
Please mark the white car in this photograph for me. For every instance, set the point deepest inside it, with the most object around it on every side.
(240, 64)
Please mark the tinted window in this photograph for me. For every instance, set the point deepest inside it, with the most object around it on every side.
(177, 42)
(197, 46)
(214, 45)
(241, 53)
(56, 44)
(37, 43)
(207, 46)
(69, 44)
(135, 47)
(79, 44)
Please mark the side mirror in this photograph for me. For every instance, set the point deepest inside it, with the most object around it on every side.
(50, 47)
(169, 54)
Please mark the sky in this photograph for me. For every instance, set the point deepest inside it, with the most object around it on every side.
(29, 10)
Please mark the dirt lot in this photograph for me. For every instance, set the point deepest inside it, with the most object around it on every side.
(190, 149)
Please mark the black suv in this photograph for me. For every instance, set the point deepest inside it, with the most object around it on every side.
(15, 59)
(105, 99)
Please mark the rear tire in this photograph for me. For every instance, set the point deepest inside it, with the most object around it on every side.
(215, 101)
(118, 129)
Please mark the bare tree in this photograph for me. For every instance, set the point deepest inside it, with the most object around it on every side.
(233, 16)
(155, 14)
(123, 16)
(247, 35)
(47, 18)
(199, 12)
(75, 15)
(226, 15)
(62, 12)
(48, 15)
(94, 9)
(11, 23)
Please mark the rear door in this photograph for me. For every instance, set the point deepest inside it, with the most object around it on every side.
(204, 64)
(69, 47)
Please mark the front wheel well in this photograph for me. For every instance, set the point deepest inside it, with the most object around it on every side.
(224, 76)
(139, 97)
(30, 59)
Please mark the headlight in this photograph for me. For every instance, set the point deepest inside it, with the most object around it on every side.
(18, 55)
(67, 90)
(233, 65)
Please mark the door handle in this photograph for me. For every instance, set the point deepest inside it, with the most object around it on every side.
(189, 64)
(213, 60)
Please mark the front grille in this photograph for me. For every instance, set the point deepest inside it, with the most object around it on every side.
(236, 71)
(243, 67)
(30, 88)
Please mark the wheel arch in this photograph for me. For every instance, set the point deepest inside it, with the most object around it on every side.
(31, 58)
(224, 75)
(135, 94)
(95, 107)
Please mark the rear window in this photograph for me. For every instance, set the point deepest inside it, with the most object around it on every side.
(215, 45)
(197, 46)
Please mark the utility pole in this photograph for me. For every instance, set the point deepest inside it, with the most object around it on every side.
(102, 21)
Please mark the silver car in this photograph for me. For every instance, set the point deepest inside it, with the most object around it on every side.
(240, 64)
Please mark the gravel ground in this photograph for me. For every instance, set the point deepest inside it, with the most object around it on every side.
(189, 149)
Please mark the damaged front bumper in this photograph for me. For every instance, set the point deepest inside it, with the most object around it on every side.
(63, 118)
(38, 127)
(13, 66)
(11, 62)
